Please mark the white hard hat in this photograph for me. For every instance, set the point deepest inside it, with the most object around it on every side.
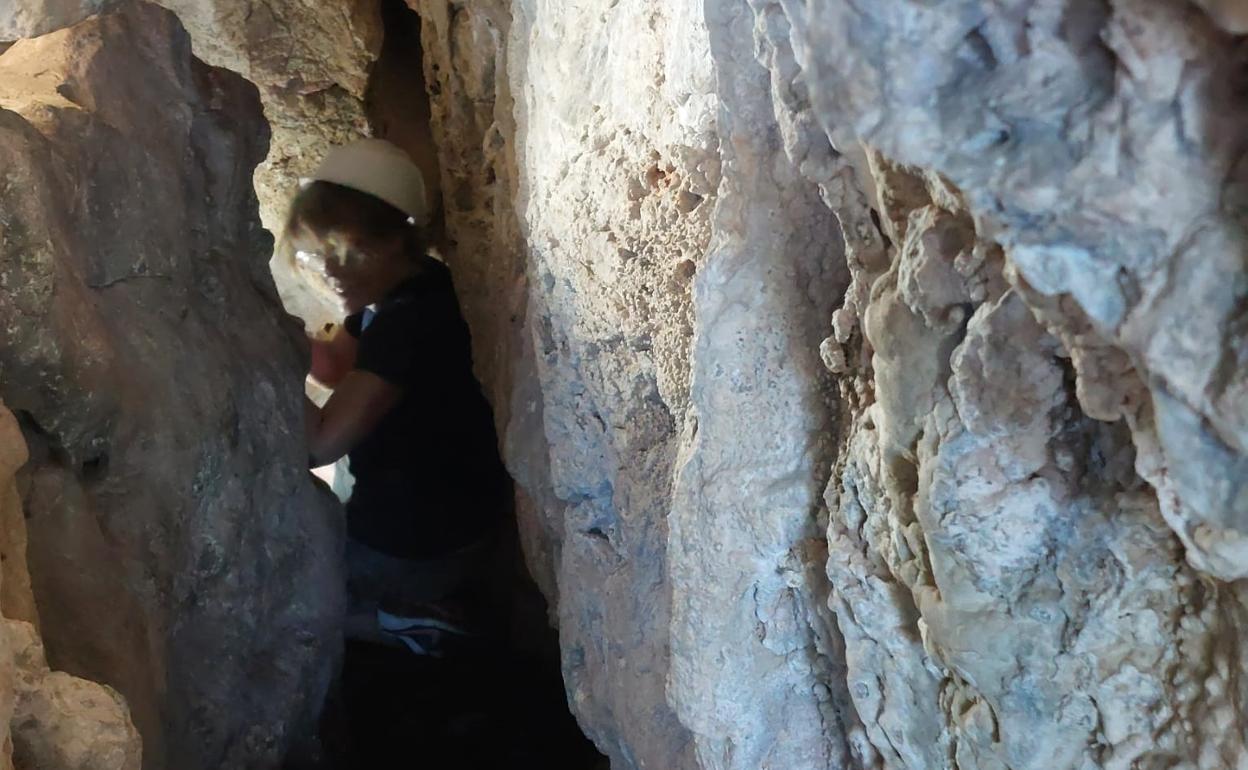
(381, 169)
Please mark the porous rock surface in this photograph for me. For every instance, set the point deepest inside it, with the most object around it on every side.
(1012, 235)
(1123, 222)
(61, 721)
(179, 551)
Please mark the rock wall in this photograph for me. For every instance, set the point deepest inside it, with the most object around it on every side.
(873, 375)
(311, 65)
(976, 269)
(31, 18)
(619, 180)
(60, 721)
(610, 267)
(48, 720)
(1125, 220)
(178, 549)
(991, 499)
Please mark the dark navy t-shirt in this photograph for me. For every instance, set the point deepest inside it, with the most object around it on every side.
(428, 479)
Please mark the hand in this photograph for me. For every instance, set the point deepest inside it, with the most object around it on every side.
(332, 360)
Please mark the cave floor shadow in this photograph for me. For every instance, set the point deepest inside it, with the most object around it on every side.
(478, 711)
(483, 710)
(487, 709)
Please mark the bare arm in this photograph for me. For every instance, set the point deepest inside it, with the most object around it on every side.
(358, 404)
(333, 360)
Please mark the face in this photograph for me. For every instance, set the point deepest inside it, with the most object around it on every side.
(356, 273)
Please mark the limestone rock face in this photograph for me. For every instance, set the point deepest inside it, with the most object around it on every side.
(992, 547)
(977, 270)
(61, 721)
(179, 550)
(311, 63)
(13, 455)
(17, 599)
(1124, 223)
(31, 18)
(610, 270)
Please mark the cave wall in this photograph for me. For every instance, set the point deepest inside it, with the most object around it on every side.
(178, 549)
(48, 720)
(1116, 195)
(977, 270)
(610, 267)
(310, 64)
(873, 377)
(618, 195)
(1098, 147)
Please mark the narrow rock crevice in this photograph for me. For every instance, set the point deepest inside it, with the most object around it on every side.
(871, 375)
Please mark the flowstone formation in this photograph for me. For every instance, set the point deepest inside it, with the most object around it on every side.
(179, 551)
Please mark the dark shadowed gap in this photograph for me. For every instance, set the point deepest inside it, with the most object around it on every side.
(396, 102)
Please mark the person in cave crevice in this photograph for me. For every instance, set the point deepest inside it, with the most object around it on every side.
(406, 408)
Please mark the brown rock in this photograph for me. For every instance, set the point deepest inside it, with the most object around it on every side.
(17, 599)
(179, 550)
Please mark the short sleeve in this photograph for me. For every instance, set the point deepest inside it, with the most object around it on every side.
(391, 345)
(354, 324)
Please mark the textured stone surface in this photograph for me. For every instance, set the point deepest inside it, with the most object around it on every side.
(609, 270)
(993, 547)
(1037, 373)
(62, 722)
(974, 271)
(472, 121)
(310, 61)
(753, 643)
(142, 342)
(1100, 144)
(1008, 590)
(31, 18)
(615, 169)
(17, 599)
(48, 720)
(13, 455)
